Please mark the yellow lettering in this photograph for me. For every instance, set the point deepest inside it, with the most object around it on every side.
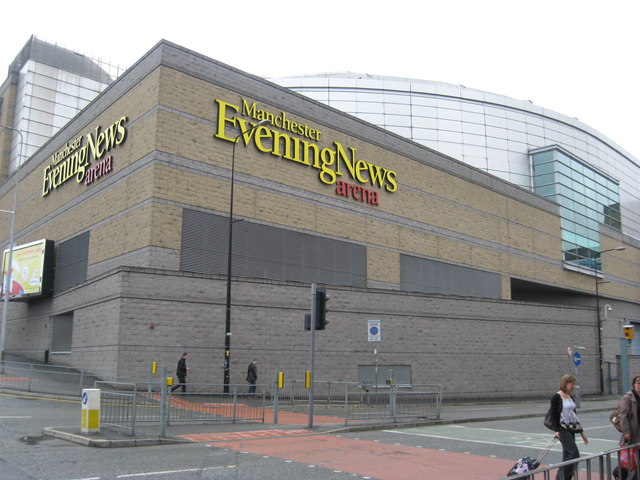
(122, 130)
(223, 119)
(361, 166)
(392, 185)
(342, 155)
(327, 175)
(46, 181)
(262, 133)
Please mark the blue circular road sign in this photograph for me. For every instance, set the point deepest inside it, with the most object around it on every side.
(577, 359)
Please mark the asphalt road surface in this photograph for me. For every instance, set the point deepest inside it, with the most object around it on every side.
(470, 451)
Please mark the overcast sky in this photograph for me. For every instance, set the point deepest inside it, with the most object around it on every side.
(579, 58)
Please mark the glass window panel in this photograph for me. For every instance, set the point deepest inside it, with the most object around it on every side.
(498, 143)
(449, 114)
(445, 136)
(369, 96)
(372, 118)
(349, 107)
(370, 107)
(474, 140)
(404, 131)
(423, 111)
(470, 117)
(450, 125)
(397, 109)
(397, 120)
(474, 129)
(419, 122)
(540, 180)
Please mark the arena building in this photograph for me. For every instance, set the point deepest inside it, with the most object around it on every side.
(122, 227)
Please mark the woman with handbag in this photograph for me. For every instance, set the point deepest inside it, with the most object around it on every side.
(629, 426)
(566, 424)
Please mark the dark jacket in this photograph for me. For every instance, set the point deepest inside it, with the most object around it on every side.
(181, 371)
(252, 373)
(556, 408)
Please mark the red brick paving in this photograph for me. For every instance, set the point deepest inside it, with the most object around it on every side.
(253, 434)
(375, 459)
(15, 379)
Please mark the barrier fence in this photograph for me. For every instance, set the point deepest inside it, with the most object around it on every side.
(47, 378)
(125, 406)
(601, 466)
(360, 402)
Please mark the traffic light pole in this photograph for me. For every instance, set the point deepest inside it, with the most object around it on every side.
(312, 350)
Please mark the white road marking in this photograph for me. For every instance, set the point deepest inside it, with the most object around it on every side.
(475, 409)
(168, 472)
(501, 437)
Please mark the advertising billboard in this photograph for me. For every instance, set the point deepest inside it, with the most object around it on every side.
(31, 270)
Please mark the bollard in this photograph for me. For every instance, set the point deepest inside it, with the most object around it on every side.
(90, 410)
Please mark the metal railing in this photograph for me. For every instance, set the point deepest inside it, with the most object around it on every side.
(359, 402)
(599, 466)
(325, 393)
(46, 378)
(126, 403)
(125, 406)
(395, 403)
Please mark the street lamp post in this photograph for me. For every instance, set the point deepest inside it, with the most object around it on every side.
(598, 318)
(7, 283)
(227, 326)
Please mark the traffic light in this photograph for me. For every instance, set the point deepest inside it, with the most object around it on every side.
(321, 308)
(628, 331)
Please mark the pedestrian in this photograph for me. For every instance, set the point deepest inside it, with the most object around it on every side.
(629, 420)
(181, 373)
(566, 424)
(252, 375)
(629, 413)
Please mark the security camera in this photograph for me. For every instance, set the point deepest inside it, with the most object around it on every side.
(608, 308)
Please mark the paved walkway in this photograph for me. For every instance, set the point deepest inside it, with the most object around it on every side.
(292, 440)
(294, 423)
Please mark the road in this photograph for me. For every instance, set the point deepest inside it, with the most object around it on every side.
(484, 450)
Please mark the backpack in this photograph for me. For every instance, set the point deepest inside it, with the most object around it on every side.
(615, 417)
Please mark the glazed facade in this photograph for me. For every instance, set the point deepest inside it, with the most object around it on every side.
(47, 86)
(498, 134)
(463, 269)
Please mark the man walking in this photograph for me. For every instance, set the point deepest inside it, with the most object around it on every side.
(252, 375)
(181, 373)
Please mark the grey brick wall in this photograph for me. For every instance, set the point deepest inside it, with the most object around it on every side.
(474, 348)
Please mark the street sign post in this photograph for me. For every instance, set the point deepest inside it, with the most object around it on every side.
(374, 330)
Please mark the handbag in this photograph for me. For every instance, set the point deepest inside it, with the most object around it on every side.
(573, 427)
(548, 420)
(551, 416)
(628, 458)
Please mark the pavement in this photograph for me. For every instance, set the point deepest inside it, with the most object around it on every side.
(293, 423)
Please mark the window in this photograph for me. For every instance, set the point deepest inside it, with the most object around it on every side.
(61, 333)
(71, 267)
(587, 197)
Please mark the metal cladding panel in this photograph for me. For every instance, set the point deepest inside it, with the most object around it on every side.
(431, 276)
(263, 251)
(72, 262)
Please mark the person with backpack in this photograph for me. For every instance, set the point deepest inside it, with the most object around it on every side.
(565, 423)
(627, 421)
(628, 413)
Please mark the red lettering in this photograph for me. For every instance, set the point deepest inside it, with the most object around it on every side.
(357, 192)
(101, 168)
